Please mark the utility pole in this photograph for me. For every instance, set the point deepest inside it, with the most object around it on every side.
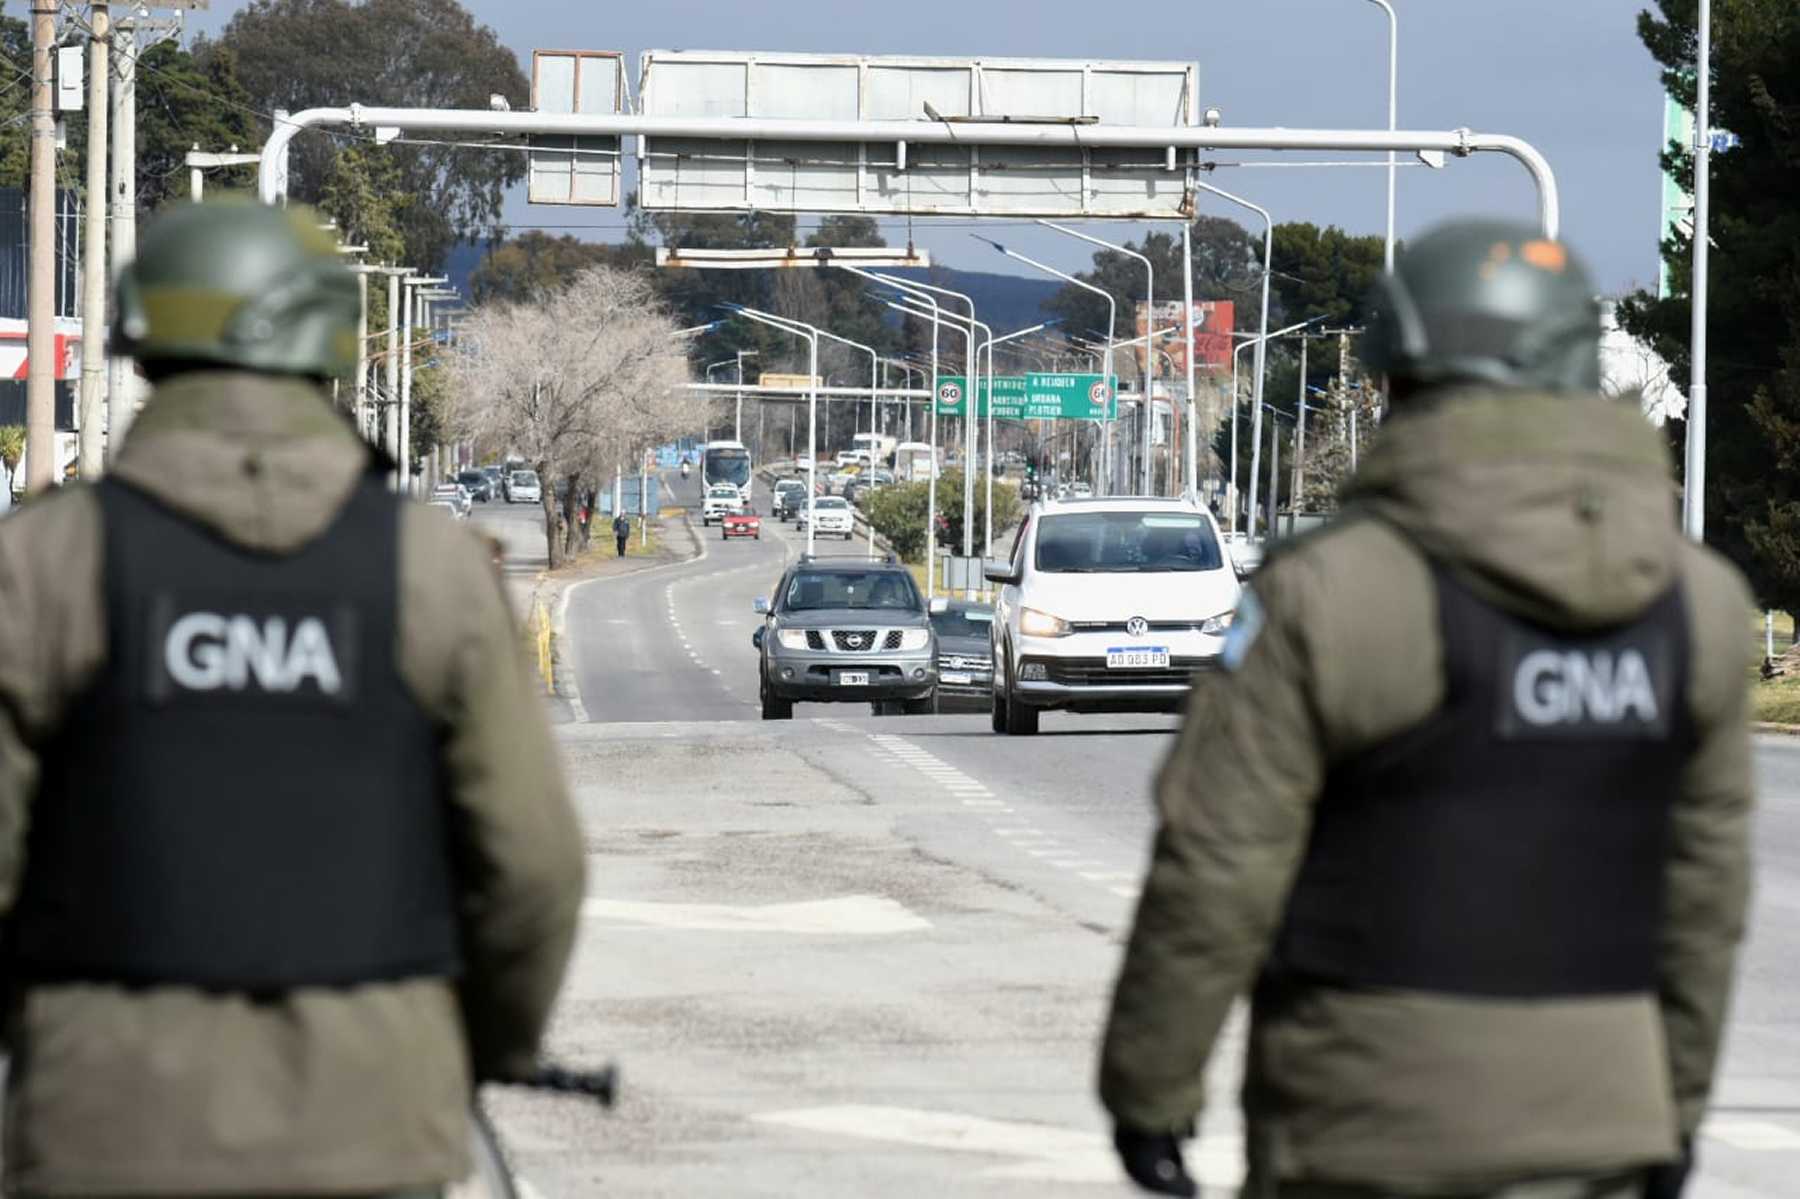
(362, 352)
(1344, 383)
(1300, 434)
(93, 248)
(40, 343)
(121, 390)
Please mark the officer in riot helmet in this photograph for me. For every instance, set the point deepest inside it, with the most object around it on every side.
(286, 861)
(1464, 815)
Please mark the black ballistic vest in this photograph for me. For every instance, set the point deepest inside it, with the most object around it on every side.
(1513, 843)
(247, 798)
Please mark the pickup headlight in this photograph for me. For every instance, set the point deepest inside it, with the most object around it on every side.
(791, 638)
(1034, 623)
(1217, 625)
(914, 638)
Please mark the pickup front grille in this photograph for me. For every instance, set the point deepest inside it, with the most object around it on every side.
(848, 641)
(814, 640)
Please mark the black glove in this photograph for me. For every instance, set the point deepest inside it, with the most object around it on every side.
(1666, 1181)
(1153, 1159)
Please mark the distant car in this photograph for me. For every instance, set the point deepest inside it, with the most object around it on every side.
(1246, 555)
(454, 493)
(965, 654)
(1108, 606)
(1081, 490)
(740, 524)
(790, 495)
(522, 488)
(845, 631)
(721, 498)
(832, 514)
(478, 483)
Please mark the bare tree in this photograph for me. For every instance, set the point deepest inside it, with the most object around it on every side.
(577, 383)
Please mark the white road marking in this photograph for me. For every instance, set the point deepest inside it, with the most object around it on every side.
(849, 916)
(1053, 1154)
(1740, 1133)
(1112, 876)
(1125, 892)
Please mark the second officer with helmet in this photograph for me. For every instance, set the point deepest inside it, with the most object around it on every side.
(1465, 816)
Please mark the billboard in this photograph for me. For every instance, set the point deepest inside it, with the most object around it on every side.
(575, 170)
(1214, 323)
(725, 174)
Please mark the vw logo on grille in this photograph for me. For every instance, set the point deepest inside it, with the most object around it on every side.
(1137, 626)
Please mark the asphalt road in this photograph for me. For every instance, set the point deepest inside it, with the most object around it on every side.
(854, 956)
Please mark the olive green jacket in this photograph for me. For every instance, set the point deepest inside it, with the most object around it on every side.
(1555, 508)
(362, 1089)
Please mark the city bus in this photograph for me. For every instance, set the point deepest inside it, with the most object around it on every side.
(726, 462)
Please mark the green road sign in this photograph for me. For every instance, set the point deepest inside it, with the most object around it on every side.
(1041, 395)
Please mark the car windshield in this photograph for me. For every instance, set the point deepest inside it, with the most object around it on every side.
(890, 590)
(963, 622)
(1126, 542)
(830, 502)
(524, 478)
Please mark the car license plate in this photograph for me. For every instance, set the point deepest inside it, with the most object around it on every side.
(1147, 657)
(956, 676)
(853, 678)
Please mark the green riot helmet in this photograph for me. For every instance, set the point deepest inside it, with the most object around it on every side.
(1484, 301)
(239, 284)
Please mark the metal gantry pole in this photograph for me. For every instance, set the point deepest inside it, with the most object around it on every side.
(1693, 511)
(93, 264)
(1393, 121)
(271, 178)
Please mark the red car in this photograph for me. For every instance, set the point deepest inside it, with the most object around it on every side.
(740, 524)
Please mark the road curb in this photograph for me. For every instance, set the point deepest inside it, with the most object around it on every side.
(1779, 730)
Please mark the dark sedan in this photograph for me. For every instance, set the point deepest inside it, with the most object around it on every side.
(480, 486)
(965, 655)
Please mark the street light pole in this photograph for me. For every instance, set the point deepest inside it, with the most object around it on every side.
(1262, 340)
(1149, 333)
(800, 329)
(932, 436)
(1693, 510)
(1103, 484)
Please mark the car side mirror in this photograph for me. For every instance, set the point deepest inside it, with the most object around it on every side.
(760, 606)
(756, 638)
(939, 605)
(997, 570)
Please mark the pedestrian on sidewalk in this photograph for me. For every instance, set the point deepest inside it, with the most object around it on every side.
(621, 531)
(287, 862)
(1465, 813)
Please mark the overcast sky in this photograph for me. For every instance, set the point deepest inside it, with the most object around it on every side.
(1567, 75)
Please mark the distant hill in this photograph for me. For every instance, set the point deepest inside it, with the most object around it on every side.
(1003, 302)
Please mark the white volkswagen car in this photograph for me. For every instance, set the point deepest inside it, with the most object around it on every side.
(832, 516)
(1108, 605)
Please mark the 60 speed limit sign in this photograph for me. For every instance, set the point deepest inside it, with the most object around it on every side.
(949, 393)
